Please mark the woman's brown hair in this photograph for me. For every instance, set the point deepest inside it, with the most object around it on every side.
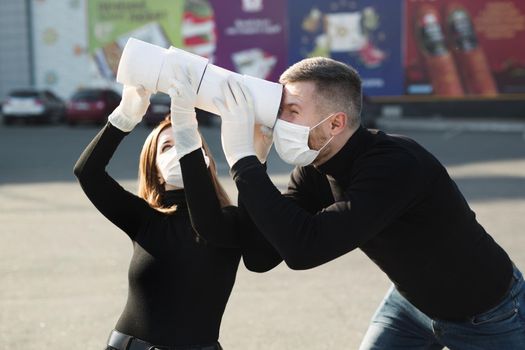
(150, 187)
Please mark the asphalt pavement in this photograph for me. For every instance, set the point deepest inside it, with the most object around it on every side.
(63, 267)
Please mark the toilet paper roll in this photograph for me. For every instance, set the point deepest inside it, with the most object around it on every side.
(266, 98)
(266, 94)
(152, 66)
(211, 87)
(140, 64)
(181, 58)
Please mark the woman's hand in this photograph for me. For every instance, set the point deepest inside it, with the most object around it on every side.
(183, 93)
(132, 107)
(237, 121)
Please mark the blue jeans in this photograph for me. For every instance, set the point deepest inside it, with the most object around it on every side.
(397, 324)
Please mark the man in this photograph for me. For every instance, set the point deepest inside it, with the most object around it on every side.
(453, 285)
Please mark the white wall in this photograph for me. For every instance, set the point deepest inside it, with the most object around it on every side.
(15, 69)
(60, 41)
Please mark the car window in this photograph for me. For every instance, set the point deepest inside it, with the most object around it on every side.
(87, 95)
(24, 94)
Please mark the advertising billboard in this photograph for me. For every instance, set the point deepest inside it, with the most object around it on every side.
(366, 34)
(111, 23)
(251, 37)
(246, 36)
(461, 48)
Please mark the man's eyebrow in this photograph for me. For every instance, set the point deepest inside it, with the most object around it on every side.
(291, 104)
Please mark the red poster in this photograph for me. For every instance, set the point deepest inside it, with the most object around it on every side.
(465, 47)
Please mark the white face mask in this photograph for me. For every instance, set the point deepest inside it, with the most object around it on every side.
(291, 142)
(169, 166)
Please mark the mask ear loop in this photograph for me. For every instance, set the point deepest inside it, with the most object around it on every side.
(322, 121)
(316, 125)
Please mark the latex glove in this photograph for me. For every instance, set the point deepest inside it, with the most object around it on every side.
(183, 93)
(263, 139)
(132, 107)
(237, 121)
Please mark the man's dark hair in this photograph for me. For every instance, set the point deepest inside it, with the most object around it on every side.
(336, 83)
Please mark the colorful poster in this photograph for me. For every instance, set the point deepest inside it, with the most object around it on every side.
(363, 33)
(251, 37)
(459, 48)
(111, 23)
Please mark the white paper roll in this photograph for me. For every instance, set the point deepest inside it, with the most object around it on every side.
(153, 67)
(266, 94)
(178, 57)
(266, 98)
(211, 87)
(140, 64)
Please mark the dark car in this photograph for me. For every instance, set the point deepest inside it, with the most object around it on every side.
(91, 105)
(158, 109)
(32, 105)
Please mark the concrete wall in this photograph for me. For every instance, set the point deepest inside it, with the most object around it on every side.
(15, 48)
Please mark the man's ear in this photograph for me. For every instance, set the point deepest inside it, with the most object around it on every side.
(338, 123)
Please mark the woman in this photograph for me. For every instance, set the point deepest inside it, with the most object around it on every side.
(187, 238)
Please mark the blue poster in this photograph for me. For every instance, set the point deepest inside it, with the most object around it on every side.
(365, 34)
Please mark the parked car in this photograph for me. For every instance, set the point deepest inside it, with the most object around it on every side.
(91, 105)
(158, 109)
(33, 105)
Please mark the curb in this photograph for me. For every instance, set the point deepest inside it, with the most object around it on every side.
(446, 124)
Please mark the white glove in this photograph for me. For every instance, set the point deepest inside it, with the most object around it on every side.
(132, 107)
(263, 139)
(183, 93)
(237, 121)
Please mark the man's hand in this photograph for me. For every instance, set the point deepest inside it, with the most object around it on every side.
(263, 139)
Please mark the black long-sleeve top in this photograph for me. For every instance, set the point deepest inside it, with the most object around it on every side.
(178, 285)
(391, 198)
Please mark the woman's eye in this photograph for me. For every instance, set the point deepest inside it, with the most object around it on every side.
(165, 148)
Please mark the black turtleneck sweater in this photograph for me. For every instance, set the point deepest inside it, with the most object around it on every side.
(391, 198)
(178, 285)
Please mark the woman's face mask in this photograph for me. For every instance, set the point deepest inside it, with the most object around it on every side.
(169, 166)
(291, 142)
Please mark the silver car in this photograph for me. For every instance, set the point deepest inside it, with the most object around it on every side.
(33, 105)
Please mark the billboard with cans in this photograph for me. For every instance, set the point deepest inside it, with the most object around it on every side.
(461, 48)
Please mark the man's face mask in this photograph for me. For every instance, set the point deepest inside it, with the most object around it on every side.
(291, 142)
(169, 166)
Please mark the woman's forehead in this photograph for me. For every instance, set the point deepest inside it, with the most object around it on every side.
(165, 135)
